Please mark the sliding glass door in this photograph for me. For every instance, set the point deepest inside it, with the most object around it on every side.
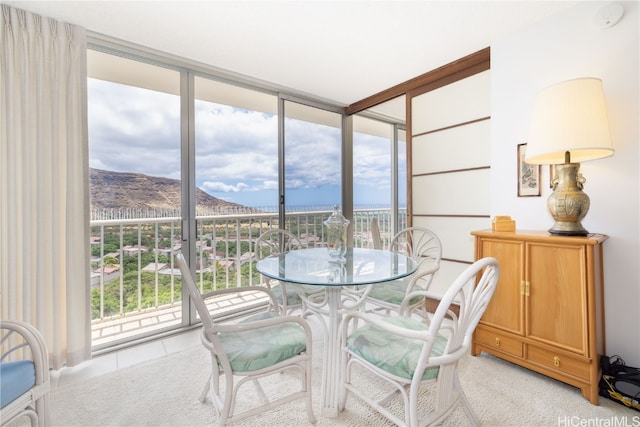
(236, 147)
(312, 157)
(134, 117)
(379, 178)
(312, 168)
(236, 179)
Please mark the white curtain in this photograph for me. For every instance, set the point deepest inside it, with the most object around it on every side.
(44, 188)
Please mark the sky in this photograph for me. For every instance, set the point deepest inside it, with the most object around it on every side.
(137, 130)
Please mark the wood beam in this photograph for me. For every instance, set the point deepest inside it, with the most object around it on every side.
(456, 70)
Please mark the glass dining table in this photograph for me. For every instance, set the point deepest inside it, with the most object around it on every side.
(332, 288)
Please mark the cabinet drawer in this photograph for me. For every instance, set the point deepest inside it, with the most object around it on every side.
(558, 362)
(497, 341)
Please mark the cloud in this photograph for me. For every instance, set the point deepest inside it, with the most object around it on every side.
(209, 187)
(133, 129)
(218, 186)
(236, 151)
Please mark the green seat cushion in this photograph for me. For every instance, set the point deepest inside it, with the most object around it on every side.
(292, 296)
(392, 292)
(258, 348)
(392, 353)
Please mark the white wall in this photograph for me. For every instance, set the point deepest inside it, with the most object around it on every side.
(562, 47)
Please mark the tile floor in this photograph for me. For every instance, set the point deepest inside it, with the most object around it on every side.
(120, 359)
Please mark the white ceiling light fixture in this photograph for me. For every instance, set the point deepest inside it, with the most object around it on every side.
(608, 16)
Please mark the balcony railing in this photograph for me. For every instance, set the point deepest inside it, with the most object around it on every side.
(136, 288)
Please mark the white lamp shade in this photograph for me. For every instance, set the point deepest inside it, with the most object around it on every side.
(569, 116)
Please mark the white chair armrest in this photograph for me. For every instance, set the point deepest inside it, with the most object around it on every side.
(262, 323)
(33, 339)
(381, 323)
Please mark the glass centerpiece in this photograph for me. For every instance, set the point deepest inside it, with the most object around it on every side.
(337, 235)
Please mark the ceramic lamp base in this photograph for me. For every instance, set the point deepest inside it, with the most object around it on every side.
(568, 204)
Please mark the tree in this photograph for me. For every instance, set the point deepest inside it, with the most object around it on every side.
(107, 247)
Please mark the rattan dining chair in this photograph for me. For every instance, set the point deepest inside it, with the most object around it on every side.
(409, 355)
(24, 374)
(263, 344)
(274, 242)
(425, 247)
(376, 238)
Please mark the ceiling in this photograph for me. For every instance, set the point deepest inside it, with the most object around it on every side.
(336, 51)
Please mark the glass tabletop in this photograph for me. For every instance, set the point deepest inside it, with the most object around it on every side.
(313, 267)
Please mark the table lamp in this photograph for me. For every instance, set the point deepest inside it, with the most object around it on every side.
(569, 126)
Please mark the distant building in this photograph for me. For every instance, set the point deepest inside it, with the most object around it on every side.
(226, 263)
(247, 257)
(154, 266)
(132, 250)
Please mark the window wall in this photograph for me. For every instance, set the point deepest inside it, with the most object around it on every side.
(183, 160)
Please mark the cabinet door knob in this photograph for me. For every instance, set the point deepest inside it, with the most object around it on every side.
(497, 341)
(556, 361)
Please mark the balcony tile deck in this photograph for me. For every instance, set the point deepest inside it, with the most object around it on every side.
(118, 329)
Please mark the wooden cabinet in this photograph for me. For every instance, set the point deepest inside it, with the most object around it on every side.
(547, 313)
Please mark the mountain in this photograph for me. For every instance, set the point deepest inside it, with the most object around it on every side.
(124, 190)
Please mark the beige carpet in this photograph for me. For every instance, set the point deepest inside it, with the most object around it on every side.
(165, 392)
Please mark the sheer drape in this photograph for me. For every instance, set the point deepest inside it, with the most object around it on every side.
(44, 189)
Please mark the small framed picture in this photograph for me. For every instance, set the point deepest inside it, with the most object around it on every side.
(528, 175)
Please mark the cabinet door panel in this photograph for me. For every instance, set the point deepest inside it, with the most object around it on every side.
(557, 298)
(505, 309)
